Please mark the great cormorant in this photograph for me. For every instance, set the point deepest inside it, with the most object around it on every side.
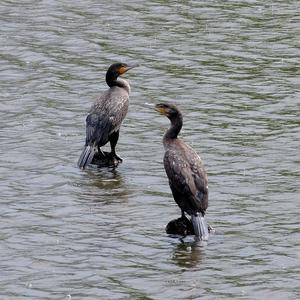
(106, 115)
(186, 173)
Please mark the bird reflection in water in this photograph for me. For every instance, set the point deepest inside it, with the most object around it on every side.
(188, 255)
(105, 185)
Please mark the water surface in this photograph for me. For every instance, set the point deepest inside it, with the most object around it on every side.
(232, 68)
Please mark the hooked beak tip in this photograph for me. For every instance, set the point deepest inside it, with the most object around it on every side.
(133, 66)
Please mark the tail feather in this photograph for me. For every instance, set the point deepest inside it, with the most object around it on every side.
(200, 227)
(86, 156)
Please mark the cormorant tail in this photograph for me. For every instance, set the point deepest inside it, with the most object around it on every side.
(86, 156)
(200, 227)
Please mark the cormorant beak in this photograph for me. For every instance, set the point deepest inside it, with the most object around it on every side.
(132, 66)
(123, 70)
(160, 109)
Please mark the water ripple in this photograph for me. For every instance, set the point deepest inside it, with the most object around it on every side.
(233, 69)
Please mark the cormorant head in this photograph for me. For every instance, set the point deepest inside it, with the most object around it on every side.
(118, 69)
(175, 116)
(168, 110)
(114, 71)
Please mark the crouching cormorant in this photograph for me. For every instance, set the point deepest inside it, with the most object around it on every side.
(106, 115)
(186, 173)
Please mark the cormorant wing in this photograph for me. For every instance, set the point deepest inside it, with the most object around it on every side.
(105, 118)
(97, 129)
(187, 178)
(200, 180)
(118, 112)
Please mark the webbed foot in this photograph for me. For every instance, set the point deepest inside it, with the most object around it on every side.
(114, 156)
(118, 158)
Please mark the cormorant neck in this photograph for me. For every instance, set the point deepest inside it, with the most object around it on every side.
(112, 80)
(176, 125)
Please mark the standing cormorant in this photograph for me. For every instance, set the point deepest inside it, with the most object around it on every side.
(106, 115)
(186, 173)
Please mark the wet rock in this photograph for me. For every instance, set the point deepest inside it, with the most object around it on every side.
(183, 226)
(104, 160)
(180, 226)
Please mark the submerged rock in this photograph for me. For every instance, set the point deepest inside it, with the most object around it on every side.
(182, 226)
(105, 160)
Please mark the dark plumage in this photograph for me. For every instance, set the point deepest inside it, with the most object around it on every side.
(186, 173)
(106, 115)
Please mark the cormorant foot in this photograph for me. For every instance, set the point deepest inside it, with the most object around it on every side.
(114, 156)
(211, 229)
(118, 158)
